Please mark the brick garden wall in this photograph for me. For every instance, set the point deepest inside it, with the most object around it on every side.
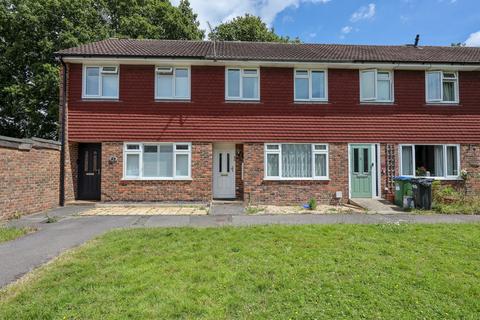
(259, 191)
(113, 188)
(29, 176)
(238, 171)
(470, 160)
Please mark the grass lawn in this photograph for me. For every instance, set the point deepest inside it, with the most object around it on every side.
(272, 272)
(10, 233)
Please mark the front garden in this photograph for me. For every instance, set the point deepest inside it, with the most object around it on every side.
(392, 271)
(450, 200)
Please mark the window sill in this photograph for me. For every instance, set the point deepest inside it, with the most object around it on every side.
(377, 103)
(296, 179)
(242, 101)
(156, 179)
(311, 102)
(436, 178)
(173, 100)
(100, 99)
(442, 104)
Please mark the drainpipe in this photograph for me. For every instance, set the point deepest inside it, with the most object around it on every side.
(62, 135)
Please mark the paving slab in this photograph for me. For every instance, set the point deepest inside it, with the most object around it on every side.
(226, 209)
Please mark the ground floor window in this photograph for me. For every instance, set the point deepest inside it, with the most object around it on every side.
(157, 160)
(296, 161)
(441, 161)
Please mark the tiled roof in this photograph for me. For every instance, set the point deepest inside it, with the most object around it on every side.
(267, 51)
(141, 48)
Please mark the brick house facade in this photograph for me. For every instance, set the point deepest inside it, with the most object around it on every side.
(225, 140)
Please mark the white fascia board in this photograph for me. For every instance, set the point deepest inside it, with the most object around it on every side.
(285, 64)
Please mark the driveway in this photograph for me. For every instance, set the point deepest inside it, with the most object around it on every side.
(22, 255)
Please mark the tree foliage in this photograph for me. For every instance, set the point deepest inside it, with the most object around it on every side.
(32, 30)
(247, 28)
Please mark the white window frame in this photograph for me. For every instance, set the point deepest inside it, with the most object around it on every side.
(242, 75)
(189, 80)
(375, 99)
(100, 82)
(310, 83)
(445, 176)
(279, 152)
(441, 101)
(140, 152)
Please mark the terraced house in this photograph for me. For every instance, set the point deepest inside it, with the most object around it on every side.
(153, 120)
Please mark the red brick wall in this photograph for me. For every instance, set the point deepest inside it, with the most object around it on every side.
(253, 187)
(71, 171)
(238, 171)
(259, 191)
(29, 180)
(470, 160)
(197, 189)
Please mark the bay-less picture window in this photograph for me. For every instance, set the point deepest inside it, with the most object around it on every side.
(310, 85)
(441, 87)
(296, 161)
(440, 161)
(172, 83)
(157, 161)
(100, 82)
(242, 84)
(376, 86)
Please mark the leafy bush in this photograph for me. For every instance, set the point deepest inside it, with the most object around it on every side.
(448, 200)
(312, 204)
(445, 194)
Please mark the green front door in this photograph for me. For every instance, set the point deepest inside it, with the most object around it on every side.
(361, 164)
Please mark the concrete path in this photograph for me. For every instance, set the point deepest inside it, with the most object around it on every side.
(378, 206)
(233, 208)
(20, 256)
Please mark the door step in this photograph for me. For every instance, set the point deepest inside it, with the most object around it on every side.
(226, 207)
(376, 205)
(227, 201)
(82, 203)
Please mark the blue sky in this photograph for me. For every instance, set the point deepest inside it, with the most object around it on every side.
(439, 22)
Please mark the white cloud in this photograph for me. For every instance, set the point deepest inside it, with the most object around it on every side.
(473, 40)
(287, 19)
(217, 11)
(346, 30)
(364, 13)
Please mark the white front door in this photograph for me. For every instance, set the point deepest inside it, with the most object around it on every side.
(224, 171)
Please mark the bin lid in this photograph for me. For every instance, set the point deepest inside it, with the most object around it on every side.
(426, 182)
(402, 178)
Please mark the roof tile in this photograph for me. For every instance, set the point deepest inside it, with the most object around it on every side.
(269, 51)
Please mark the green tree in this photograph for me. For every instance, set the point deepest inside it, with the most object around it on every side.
(32, 30)
(247, 28)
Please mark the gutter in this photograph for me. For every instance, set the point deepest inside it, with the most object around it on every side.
(62, 134)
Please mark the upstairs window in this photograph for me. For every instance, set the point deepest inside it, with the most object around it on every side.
(376, 86)
(172, 83)
(157, 161)
(442, 87)
(100, 82)
(296, 161)
(242, 84)
(310, 85)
